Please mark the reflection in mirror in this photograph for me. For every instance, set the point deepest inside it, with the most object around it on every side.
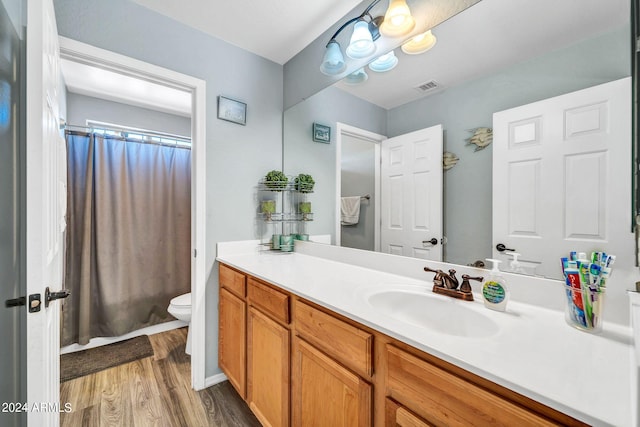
(496, 55)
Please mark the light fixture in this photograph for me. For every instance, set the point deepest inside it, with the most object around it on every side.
(398, 20)
(357, 77)
(419, 44)
(385, 62)
(361, 44)
(333, 61)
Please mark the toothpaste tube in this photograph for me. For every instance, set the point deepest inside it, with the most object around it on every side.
(565, 263)
(609, 260)
(594, 277)
(574, 294)
(583, 270)
(604, 276)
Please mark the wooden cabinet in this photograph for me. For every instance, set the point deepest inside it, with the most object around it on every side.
(268, 369)
(234, 281)
(325, 393)
(445, 399)
(268, 353)
(269, 300)
(297, 363)
(345, 342)
(231, 339)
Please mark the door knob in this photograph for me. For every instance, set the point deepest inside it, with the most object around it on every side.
(501, 248)
(433, 241)
(50, 296)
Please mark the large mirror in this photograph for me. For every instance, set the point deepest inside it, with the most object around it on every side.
(494, 56)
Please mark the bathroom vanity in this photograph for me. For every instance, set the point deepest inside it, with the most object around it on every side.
(307, 339)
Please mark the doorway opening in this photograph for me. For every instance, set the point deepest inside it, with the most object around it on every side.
(121, 66)
(358, 175)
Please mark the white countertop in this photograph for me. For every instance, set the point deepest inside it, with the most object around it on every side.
(534, 352)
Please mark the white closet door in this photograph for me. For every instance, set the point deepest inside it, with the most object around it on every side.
(562, 176)
(411, 211)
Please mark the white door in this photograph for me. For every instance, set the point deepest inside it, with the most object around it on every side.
(44, 184)
(562, 177)
(411, 211)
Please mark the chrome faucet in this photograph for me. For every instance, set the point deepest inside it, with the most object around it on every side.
(447, 284)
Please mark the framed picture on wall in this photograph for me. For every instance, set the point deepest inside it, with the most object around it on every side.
(321, 133)
(232, 110)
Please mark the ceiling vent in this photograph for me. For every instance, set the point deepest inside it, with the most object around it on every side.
(428, 86)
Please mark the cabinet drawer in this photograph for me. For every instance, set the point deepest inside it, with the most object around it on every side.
(272, 301)
(232, 280)
(346, 343)
(398, 416)
(442, 398)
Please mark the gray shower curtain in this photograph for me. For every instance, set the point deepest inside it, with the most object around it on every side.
(128, 235)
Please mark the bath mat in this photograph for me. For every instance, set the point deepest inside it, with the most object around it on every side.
(80, 363)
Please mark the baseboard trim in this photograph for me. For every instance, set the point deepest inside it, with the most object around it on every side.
(149, 330)
(214, 379)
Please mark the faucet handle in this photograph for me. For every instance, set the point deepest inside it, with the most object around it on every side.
(437, 279)
(466, 286)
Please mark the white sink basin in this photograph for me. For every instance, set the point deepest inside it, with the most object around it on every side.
(418, 306)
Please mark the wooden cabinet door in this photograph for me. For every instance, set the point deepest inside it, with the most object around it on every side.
(231, 339)
(268, 369)
(327, 394)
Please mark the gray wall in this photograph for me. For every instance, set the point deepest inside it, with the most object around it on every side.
(467, 187)
(81, 108)
(16, 10)
(303, 155)
(237, 156)
(357, 178)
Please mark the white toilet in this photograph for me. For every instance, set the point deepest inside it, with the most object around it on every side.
(180, 308)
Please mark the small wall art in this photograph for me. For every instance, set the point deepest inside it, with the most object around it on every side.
(232, 110)
(321, 133)
(481, 137)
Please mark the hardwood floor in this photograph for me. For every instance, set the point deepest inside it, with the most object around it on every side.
(154, 391)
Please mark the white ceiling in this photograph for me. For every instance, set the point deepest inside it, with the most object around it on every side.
(99, 83)
(486, 37)
(273, 29)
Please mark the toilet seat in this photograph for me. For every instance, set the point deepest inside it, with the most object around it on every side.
(180, 308)
(181, 301)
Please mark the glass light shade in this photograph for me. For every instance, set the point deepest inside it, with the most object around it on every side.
(361, 44)
(420, 43)
(383, 63)
(398, 20)
(333, 61)
(356, 77)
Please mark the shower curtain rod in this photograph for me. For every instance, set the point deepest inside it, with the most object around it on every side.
(186, 141)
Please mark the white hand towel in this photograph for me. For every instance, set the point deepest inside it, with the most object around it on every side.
(350, 210)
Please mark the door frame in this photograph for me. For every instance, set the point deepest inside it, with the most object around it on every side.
(91, 55)
(343, 129)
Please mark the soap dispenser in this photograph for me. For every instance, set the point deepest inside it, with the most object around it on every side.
(494, 289)
(514, 264)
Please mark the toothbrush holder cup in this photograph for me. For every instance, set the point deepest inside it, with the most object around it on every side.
(584, 309)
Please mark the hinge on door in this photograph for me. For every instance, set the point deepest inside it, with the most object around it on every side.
(195, 253)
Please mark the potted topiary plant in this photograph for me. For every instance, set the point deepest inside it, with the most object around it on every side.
(305, 210)
(304, 183)
(275, 180)
(268, 208)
